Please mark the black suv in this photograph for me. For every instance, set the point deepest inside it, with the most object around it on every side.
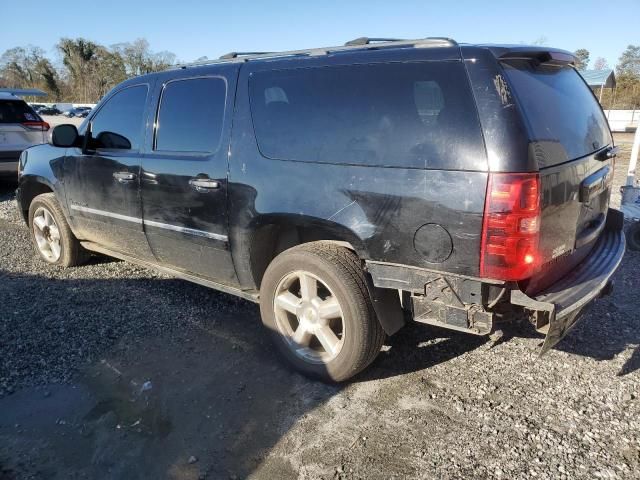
(347, 189)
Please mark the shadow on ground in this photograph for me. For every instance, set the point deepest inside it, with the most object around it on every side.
(172, 380)
(610, 326)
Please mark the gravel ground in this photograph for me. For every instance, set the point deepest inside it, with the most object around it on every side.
(112, 371)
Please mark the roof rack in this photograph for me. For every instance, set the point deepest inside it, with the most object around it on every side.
(362, 43)
(230, 55)
(368, 40)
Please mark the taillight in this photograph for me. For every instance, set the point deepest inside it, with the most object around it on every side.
(40, 126)
(511, 226)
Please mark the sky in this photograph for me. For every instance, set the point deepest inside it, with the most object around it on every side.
(192, 29)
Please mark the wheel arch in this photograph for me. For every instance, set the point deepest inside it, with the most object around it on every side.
(271, 235)
(30, 187)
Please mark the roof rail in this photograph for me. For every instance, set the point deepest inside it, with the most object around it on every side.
(311, 52)
(231, 55)
(367, 40)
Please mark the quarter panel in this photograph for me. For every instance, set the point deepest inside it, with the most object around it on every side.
(377, 209)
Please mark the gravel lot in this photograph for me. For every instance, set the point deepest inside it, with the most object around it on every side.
(113, 371)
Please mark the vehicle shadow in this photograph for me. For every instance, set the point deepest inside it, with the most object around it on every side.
(149, 377)
(610, 327)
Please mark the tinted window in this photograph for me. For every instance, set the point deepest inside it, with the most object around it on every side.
(191, 115)
(118, 124)
(410, 115)
(564, 118)
(17, 111)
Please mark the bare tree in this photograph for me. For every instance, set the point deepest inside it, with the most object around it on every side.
(600, 64)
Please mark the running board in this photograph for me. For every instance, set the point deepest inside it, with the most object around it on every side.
(247, 295)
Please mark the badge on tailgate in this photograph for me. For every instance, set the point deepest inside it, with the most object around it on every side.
(595, 184)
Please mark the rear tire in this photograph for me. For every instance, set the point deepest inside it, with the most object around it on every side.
(315, 302)
(633, 236)
(52, 238)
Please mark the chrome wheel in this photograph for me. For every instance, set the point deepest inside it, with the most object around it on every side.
(309, 317)
(47, 234)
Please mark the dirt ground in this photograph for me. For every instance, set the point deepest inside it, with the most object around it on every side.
(112, 371)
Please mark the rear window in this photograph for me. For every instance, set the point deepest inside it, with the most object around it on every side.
(564, 119)
(16, 111)
(418, 115)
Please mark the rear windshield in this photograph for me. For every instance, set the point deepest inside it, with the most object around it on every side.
(564, 119)
(419, 115)
(16, 111)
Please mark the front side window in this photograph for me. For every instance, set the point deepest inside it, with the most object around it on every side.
(416, 115)
(191, 115)
(118, 124)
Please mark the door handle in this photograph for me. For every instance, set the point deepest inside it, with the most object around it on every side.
(124, 177)
(204, 184)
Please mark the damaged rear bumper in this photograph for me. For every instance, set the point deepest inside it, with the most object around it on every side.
(558, 308)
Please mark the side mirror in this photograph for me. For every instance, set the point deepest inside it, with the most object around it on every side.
(64, 136)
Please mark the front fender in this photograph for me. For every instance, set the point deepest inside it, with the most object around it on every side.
(40, 170)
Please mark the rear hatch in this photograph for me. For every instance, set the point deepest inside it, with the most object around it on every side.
(570, 141)
(20, 126)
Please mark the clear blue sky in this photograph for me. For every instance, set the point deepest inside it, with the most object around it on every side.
(192, 29)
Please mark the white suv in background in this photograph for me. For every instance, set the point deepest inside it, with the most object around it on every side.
(20, 128)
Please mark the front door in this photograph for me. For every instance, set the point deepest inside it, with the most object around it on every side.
(184, 174)
(102, 179)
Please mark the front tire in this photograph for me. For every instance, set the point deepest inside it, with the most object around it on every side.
(315, 302)
(52, 238)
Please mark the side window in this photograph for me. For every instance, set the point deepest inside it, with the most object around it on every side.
(118, 124)
(191, 115)
(412, 115)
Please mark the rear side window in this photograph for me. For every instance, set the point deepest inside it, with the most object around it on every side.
(118, 124)
(419, 115)
(564, 119)
(191, 115)
(17, 111)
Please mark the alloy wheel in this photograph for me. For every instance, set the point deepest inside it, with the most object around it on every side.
(309, 317)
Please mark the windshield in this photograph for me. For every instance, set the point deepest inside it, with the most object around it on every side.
(564, 119)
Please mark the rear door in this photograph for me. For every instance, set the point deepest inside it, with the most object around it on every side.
(184, 174)
(569, 138)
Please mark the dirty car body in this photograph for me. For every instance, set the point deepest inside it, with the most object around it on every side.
(436, 163)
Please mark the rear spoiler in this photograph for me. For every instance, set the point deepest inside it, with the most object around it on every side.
(24, 92)
(553, 57)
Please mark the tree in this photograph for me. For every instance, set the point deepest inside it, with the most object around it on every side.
(600, 64)
(629, 61)
(27, 67)
(88, 70)
(582, 58)
(77, 57)
(139, 59)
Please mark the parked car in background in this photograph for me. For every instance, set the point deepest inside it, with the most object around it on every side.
(460, 186)
(20, 128)
(77, 112)
(49, 111)
(36, 106)
(84, 113)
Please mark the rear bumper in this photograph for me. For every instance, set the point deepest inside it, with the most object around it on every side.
(557, 309)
